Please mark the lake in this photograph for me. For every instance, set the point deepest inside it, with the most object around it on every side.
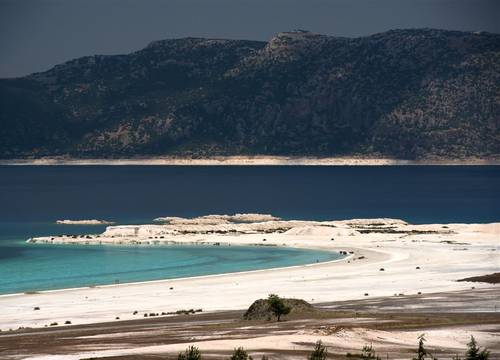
(34, 197)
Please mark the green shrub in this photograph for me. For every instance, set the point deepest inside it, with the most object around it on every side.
(191, 353)
(319, 352)
(422, 352)
(240, 354)
(474, 352)
(368, 353)
(278, 306)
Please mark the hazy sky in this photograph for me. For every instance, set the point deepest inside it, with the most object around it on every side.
(37, 34)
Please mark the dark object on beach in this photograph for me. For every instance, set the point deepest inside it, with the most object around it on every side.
(67, 322)
(171, 288)
(382, 269)
(145, 315)
(135, 312)
(366, 294)
(490, 278)
(117, 318)
(53, 324)
(419, 293)
(36, 308)
(418, 268)
(261, 309)
(361, 257)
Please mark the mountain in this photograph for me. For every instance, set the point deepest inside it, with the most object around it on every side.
(408, 94)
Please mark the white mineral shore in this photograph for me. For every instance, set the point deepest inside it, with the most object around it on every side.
(248, 160)
(84, 222)
(415, 258)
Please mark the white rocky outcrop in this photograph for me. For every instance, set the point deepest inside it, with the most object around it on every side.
(218, 219)
(172, 229)
(84, 222)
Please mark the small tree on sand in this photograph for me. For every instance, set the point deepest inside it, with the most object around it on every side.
(319, 352)
(278, 306)
(422, 352)
(191, 353)
(240, 354)
(368, 353)
(474, 352)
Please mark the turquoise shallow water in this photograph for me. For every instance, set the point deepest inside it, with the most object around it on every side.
(32, 267)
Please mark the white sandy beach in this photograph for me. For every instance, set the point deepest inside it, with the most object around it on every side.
(445, 254)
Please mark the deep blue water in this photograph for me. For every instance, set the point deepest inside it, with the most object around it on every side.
(415, 193)
(33, 197)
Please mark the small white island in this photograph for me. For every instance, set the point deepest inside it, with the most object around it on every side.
(84, 222)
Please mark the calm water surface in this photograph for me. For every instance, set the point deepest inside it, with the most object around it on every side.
(41, 267)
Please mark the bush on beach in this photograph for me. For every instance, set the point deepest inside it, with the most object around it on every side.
(191, 353)
(320, 352)
(240, 354)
